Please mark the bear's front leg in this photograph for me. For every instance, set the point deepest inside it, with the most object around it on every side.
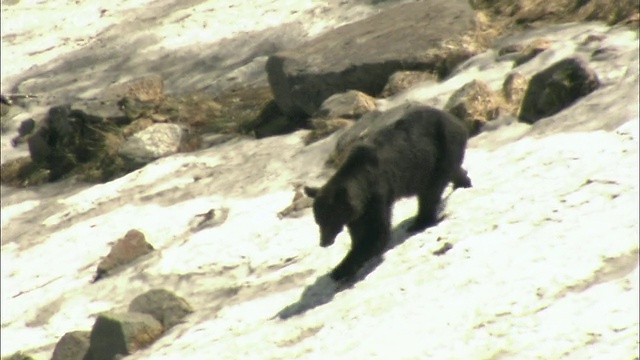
(348, 267)
(370, 234)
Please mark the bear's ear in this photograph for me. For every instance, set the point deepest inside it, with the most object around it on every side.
(311, 191)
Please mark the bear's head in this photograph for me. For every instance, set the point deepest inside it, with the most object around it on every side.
(332, 211)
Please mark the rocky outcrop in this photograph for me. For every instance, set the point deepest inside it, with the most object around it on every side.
(362, 55)
(557, 87)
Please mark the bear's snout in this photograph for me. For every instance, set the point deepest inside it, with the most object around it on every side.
(326, 243)
(327, 240)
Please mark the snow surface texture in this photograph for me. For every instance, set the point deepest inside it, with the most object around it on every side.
(544, 263)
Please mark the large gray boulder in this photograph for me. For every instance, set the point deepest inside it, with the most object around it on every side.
(165, 306)
(362, 55)
(556, 88)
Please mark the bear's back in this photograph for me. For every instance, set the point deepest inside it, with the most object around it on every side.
(424, 141)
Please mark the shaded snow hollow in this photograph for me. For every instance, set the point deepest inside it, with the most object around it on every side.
(544, 263)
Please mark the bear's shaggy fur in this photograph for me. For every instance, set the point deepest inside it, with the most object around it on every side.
(417, 155)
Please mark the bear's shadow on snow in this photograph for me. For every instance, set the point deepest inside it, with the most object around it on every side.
(324, 288)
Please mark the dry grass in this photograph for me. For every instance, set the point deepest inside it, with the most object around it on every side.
(231, 112)
(499, 17)
(451, 52)
(525, 13)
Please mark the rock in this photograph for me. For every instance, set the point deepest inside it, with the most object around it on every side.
(521, 54)
(4, 109)
(146, 88)
(211, 218)
(108, 110)
(557, 87)
(122, 334)
(5, 100)
(136, 126)
(71, 137)
(514, 86)
(271, 122)
(25, 129)
(531, 50)
(39, 145)
(362, 55)
(325, 127)
(130, 247)
(402, 80)
(154, 142)
(10, 110)
(299, 202)
(134, 108)
(475, 104)
(166, 307)
(72, 346)
(337, 112)
(211, 140)
(513, 89)
(349, 105)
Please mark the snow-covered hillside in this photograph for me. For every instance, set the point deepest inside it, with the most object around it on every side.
(544, 257)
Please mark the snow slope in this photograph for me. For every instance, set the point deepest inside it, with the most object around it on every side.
(544, 263)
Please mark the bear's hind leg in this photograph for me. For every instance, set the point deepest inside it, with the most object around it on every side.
(460, 179)
(428, 201)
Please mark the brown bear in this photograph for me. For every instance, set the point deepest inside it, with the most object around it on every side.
(419, 154)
